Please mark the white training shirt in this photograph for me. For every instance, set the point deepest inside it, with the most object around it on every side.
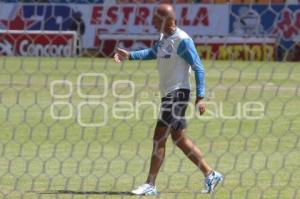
(176, 55)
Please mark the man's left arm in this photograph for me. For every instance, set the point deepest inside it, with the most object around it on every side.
(188, 52)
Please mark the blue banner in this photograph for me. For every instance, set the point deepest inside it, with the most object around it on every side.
(54, 17)
(278, 20)
(39, 17)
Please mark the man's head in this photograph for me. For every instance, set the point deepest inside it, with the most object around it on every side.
(164, 18)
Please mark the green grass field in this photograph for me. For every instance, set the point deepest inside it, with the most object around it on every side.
(44, 157)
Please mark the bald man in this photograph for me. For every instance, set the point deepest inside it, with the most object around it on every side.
(176, 54)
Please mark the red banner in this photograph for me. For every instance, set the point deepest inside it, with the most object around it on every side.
(230, 48)
(237, 48)
(38, 43)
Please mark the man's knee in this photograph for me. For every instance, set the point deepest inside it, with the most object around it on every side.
(178, 136)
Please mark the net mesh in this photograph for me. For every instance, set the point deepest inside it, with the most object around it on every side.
(82, 127)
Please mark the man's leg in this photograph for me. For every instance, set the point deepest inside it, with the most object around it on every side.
(158, 152)
(181, 140)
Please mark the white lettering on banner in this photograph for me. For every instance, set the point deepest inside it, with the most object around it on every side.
(30, 49)
(6, 47)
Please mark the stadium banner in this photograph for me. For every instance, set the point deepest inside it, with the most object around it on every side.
(38, 43)
(221, 48)
(196, 19)
(276, 20)
(237, 48)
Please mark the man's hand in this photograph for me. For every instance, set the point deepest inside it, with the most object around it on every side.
(200, 104)
(121, 55)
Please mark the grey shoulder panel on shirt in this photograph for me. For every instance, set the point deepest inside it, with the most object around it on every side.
(182, 34)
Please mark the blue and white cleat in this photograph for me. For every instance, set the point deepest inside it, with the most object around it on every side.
(145, 189)
(211, 181)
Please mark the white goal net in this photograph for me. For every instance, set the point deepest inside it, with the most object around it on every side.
(75, 124)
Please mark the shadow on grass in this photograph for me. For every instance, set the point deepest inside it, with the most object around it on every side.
(124, 193)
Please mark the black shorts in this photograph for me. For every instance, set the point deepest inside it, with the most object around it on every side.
(172, 109)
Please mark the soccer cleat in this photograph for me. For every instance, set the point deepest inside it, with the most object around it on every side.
(145, 189)
(211, 181)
